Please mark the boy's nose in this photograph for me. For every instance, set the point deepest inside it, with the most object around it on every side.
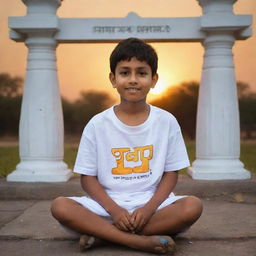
(133, 78)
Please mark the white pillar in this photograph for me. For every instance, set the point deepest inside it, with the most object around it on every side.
(218, 130)
(41, 123)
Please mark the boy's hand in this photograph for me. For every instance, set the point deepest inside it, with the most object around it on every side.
(122, 220)
(140, 218)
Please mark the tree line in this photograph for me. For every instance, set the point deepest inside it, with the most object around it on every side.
(180, 100)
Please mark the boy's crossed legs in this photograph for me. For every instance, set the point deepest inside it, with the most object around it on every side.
(169, 220)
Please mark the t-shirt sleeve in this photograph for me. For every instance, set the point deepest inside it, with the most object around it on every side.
(86, 160)
(177, 157)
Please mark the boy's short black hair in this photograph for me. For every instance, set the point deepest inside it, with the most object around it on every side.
(134, 47)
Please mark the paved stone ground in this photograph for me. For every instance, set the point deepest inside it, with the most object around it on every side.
(226, 227)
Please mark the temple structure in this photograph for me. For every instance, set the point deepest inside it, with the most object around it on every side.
(41, 122)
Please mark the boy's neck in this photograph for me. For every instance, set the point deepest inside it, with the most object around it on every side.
(131, 108)
(132, 114)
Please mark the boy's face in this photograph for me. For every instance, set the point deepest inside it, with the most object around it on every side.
(133, 80)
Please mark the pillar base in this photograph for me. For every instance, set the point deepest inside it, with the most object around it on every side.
(216, 169)
(40, 171)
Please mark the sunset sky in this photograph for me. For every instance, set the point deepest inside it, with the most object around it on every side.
(86, 66)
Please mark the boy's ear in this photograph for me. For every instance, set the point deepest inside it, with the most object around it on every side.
(112, 79)
(154, 80)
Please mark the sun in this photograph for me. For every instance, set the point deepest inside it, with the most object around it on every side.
(160, 87)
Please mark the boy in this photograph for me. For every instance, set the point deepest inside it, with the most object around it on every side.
(128, 159)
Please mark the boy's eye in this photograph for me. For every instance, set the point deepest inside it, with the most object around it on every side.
(143, 73)
(124, 73)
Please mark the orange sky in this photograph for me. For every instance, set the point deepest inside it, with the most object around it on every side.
(85, 66)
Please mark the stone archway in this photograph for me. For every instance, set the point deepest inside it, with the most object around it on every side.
(41, 124)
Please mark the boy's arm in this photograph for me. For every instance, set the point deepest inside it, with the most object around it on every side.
(120, 216)
(142, 215)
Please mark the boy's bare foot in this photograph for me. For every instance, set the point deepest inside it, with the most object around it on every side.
(87, 242)
(157, 244)
(168, 243)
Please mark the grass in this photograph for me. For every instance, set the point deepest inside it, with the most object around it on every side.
(247, 154)
(9, 156)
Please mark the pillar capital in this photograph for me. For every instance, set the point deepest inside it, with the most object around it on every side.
(213, 6)
(218, 16)
(219, 37)
(218, 50)
(42, 7)
(41, 19)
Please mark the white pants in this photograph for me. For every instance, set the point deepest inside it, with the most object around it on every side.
(129, 205)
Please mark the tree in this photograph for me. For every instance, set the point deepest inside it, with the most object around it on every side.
(181, 101)
(10, 86)
(10, 104)
(77, 114)
(243, 90)
(247, 109)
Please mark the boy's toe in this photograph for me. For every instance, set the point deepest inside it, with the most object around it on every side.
(86, 242)
(169, 246)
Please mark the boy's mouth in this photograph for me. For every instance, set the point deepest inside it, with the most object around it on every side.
(132, 89)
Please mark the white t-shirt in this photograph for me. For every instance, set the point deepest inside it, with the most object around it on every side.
(129, 161)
